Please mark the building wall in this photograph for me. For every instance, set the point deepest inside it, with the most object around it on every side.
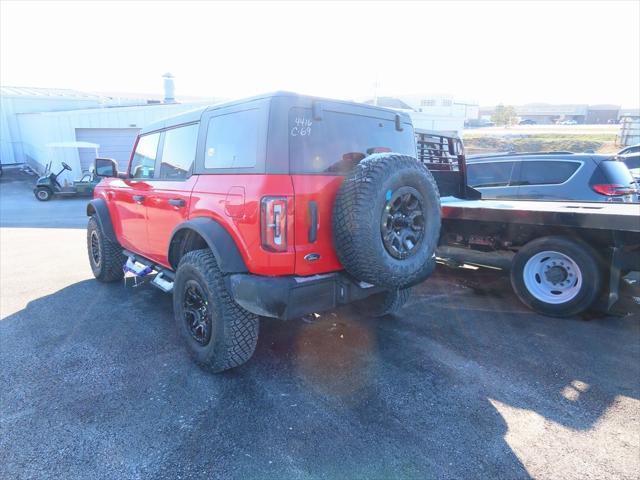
(10, 106)
(39, 129)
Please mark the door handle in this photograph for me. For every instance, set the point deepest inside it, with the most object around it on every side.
(313, 228)
(138, 198)
(177, 202)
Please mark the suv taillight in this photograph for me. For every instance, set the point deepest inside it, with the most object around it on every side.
(612, 189)
(273, 223)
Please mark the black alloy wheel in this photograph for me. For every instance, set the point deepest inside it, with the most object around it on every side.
(196, 312)
(403, 222)
(94, 249)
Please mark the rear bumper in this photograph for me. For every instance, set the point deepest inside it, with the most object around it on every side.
(291, 297)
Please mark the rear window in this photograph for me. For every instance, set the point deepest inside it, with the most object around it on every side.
(611, 172)
(546, 173)
(335, 144)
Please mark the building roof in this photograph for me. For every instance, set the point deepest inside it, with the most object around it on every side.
(389, 102)
(39, 92)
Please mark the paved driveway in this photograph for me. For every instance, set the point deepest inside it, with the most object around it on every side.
(95, 383)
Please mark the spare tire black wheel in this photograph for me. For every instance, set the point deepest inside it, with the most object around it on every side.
(386, 221)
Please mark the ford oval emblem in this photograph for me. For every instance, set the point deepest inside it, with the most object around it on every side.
(312, 257)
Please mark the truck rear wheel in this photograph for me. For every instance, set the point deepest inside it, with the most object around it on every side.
(386, 221)
(219, 334)
(556, 276)
(105, 256)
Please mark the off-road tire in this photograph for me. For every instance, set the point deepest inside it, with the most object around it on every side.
(384, 303)
(40, 194)
(234, 331)
(358, 216)
(111, 258)
(581, 254)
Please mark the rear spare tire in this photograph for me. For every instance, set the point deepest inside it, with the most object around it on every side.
(386, 221)
(556, 276)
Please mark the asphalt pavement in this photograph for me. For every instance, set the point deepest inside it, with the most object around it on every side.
(464, 383)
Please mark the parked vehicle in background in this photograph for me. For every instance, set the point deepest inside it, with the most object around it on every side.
(478, 123)
(564, 257)
(275, 206)
(632, 161)
(567, 122)
(48, 186)
(629, 149)
(527, 121)
(552, 176)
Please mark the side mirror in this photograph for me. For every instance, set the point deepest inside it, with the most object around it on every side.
(106, 167)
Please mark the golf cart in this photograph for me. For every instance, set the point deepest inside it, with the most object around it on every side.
(48, 185)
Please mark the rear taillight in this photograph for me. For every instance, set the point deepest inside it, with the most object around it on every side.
(612, 189)
(273, 223)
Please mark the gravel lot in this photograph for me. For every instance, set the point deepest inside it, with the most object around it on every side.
(95, 383)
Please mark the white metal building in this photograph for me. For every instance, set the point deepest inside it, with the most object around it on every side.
(432, 112)
(113, 129)
(41, 126)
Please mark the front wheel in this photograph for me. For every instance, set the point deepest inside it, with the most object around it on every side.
(43, 194)
(556, 276)
(105, 256)
(219, 334)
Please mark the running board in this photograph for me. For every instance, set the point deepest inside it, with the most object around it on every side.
(164, 278)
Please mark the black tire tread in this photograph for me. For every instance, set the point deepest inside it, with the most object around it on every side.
(240, 327)
(353, 216)
(112, 257)
(386, 303)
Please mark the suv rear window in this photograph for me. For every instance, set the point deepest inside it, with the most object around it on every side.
(611, 172)
(335, 144)
(546, 172)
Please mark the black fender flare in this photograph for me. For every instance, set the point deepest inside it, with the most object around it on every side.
(218, 239)
(99, 209)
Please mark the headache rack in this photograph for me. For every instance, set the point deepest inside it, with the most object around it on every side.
(442, 152)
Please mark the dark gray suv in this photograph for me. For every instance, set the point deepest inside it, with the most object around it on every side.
(552, 176)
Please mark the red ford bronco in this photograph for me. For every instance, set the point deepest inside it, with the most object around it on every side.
(275, 206)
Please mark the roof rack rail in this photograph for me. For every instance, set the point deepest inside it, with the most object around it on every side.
(517, 154)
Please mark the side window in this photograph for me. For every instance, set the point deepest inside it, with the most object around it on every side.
(490, 174)
(144, 158)
(178, 152)
(546, 173)
(232, 140)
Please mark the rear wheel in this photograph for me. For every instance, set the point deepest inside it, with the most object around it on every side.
(219, 334)
(556, 276)
(43, 194)
(105, 256)
(383, 303)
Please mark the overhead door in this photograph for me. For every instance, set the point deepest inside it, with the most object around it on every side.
(115, 143)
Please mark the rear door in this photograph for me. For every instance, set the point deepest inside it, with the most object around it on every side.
(321, 152)
(549, 180)
(169, 193)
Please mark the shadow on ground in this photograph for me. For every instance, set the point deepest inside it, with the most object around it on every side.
(96, 384)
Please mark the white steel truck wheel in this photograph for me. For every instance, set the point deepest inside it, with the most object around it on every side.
(556, 276)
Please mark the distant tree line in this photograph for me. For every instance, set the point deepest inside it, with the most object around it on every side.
(504, 115)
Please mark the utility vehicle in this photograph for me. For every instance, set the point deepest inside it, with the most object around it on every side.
(275, 206)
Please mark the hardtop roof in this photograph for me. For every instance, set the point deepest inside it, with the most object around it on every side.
(194, 115)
